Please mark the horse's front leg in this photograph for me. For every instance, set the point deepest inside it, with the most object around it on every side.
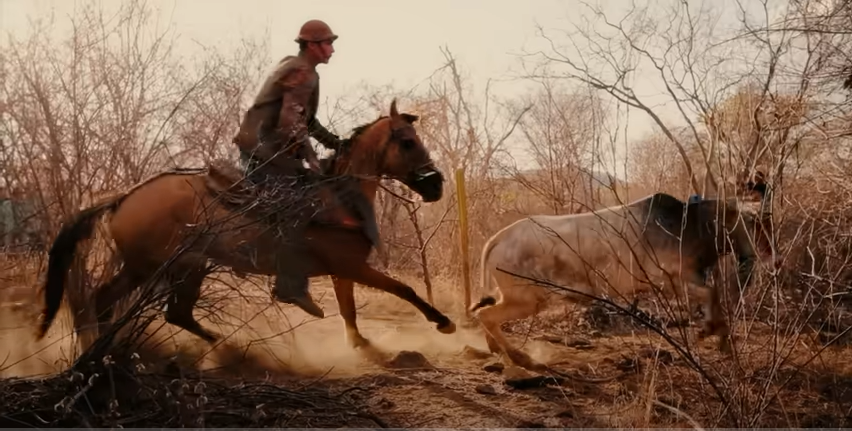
(344, 291)
(364, 274)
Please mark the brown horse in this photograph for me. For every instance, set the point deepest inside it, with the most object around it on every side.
(178, 220)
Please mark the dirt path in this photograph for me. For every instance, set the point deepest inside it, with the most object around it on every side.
(450, 390)
(448, 386)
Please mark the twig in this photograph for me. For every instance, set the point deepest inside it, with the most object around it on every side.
(396, 195)
(679, 413)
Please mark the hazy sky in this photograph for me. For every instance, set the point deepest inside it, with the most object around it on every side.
(381, 41)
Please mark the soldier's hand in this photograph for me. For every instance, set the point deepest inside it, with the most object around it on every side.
(313, 161)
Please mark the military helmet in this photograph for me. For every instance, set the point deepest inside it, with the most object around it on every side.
(315, 31)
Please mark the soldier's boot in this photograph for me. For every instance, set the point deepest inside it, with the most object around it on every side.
(291, 282)
(292, 288)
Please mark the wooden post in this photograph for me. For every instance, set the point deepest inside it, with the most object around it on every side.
(463, 240)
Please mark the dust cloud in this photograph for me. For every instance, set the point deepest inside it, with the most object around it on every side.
(258, 338)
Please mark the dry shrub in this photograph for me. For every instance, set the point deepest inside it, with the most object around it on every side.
(119, 393)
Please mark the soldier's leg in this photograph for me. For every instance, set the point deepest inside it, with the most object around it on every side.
(291, 281)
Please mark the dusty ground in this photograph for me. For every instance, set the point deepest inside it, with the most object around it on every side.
(460, 387)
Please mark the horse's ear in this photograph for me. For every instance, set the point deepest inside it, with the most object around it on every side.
(410, 117)
(393, 112)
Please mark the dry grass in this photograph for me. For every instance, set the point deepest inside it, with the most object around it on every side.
(286, 350)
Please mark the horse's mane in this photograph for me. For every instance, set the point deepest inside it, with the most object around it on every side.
(357, 131)
(327, 164)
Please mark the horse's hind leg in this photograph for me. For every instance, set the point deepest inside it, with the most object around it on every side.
(370, 277)
(186, 289)
(344, 291)
(112, 291)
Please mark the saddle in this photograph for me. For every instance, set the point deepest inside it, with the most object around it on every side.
(228, 183)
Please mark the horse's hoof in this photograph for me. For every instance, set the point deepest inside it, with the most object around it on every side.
(447, 328)
(359, 342)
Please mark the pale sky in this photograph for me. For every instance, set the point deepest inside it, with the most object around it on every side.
(381, 41)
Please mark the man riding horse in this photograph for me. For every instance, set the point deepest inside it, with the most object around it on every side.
(273, 143)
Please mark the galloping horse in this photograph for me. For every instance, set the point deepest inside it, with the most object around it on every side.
(179, 220)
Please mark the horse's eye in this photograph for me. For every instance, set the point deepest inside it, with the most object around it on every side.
(407, 144)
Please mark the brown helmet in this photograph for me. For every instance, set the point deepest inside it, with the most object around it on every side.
(315, 31)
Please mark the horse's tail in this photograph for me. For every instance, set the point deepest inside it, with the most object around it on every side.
(61, 257)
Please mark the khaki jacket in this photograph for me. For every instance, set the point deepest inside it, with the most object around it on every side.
(286, 105)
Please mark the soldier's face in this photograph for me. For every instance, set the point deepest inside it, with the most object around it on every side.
(323, 50)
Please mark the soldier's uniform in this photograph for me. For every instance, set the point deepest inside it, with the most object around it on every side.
(285, 109)
(273, 142)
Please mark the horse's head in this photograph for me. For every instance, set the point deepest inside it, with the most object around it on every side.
(391, 148)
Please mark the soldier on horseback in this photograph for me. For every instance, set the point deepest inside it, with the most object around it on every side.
(273, 142)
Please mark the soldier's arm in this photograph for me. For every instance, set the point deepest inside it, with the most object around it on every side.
(322, 135)
(318, 131)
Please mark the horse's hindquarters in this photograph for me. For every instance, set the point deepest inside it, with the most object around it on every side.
(175, 212)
